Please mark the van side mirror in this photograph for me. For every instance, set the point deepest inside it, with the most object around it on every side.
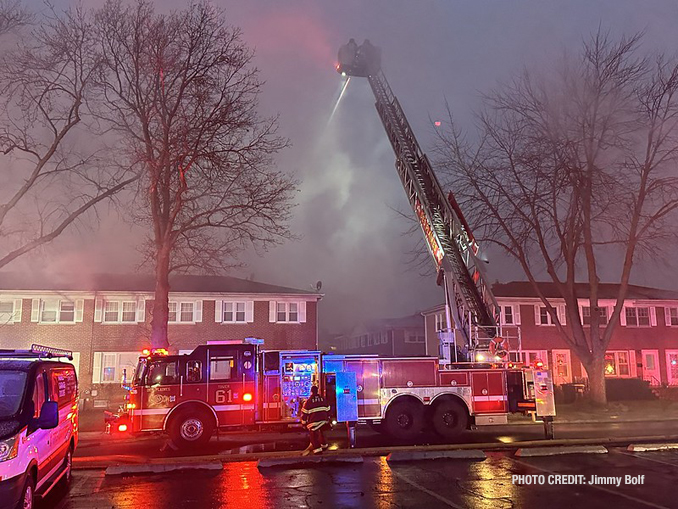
(49, 416)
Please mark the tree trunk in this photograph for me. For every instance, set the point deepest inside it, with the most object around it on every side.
(597, 389)
(159, 336)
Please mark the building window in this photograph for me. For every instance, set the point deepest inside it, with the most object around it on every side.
(120, 311)
(182, 312)
(617, 364)
(544, 316)
(414, 337)
(57, 311)
(6, 312)
(234, 312)
(529, 357)
(586, 315)
(671, 316)
(111, 308)
(129, 311)
(114, 367)
(508, 315)
(440, 322)
(287, 312)
(637, 317)
(186, 312)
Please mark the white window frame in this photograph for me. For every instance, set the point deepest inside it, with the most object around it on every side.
(515, 314)
(560, 312)
(440, 321)
(608, 313)
(525, 357)
(630, 361)
(120, 303)
(14, 316)
(652, 316)
(234, 311)
(38, 310)
(196, 311)
(411, 337)
(284, 311)
(671, 316)
(116, 360)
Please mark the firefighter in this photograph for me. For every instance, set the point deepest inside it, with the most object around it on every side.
(314, 417)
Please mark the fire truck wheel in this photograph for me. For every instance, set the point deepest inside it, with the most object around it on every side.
(404, 420)
(191, 428)
(449, 419)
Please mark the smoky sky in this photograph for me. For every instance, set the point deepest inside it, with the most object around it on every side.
(433, 51)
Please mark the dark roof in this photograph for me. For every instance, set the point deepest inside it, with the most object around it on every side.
(139, 283)
(522, 289)
(605, 291)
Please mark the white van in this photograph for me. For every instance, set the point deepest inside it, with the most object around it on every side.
(38, 423)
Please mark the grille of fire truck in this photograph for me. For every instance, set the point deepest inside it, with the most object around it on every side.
(474, 301)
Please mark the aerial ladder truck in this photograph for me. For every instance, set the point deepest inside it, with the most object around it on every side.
(470, 305)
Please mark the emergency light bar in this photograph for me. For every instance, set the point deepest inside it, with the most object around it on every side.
(38, 351)
(51, 352)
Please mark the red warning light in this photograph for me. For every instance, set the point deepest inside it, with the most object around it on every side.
(437, 123)
(539, 364)
(247, 397)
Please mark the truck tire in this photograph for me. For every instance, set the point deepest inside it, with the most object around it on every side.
(68, 468)
(449, 419)
(27, 500)
(404, 420)
(189, 428)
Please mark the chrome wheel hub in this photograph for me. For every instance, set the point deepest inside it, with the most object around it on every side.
(192, 429)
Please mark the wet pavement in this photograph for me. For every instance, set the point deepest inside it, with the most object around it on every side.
(98, 446)
(489, 483)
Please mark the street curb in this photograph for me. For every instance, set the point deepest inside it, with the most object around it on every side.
(556, 422)
(401, 456)
(556, 451)
(651, 447)
(301, 461)
(162, 468)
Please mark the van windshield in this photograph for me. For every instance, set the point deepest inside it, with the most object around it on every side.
(12, 385)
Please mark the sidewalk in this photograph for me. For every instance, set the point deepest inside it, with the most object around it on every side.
(626, 411)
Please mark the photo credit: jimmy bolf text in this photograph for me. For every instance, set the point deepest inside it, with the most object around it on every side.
(597, 480)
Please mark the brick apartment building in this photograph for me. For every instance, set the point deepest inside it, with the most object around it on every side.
(394, 337)
(105, 319)
(644, 344)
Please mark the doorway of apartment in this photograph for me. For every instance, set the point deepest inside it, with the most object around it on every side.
(672, 366)
(562, 368)
(651, 367)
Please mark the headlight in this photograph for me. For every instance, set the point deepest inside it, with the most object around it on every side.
(9, 448)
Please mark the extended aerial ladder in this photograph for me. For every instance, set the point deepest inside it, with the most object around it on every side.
(469, 302)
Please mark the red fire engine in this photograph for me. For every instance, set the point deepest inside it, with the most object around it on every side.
(236, 385)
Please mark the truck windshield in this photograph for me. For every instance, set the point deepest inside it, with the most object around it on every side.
(12, 385)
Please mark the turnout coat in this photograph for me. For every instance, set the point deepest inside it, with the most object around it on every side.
(315, 413)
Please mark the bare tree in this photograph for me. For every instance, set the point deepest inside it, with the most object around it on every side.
(12, 15)
(182, 93)
(571, 168)
(53, 172)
